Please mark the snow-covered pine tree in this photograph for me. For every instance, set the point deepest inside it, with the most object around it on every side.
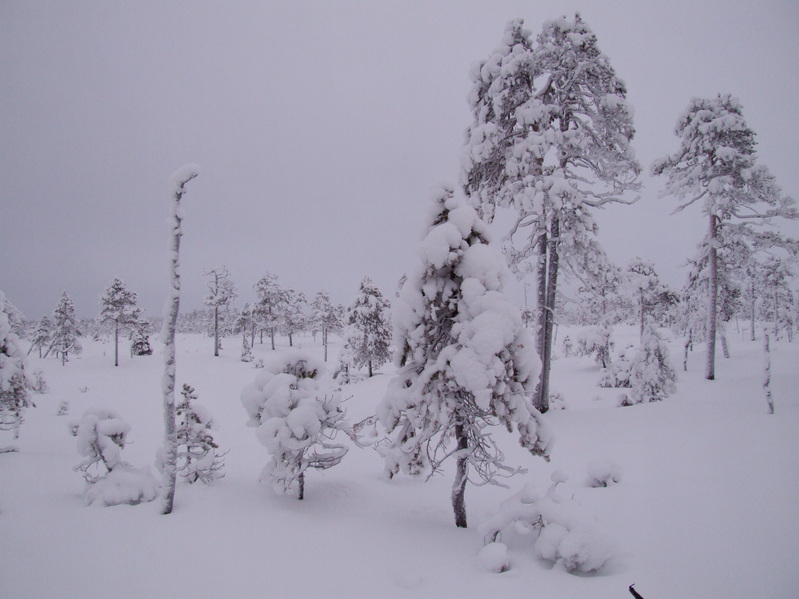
(647, 290)
(326, 316)
(465, 361)
(717, 165)
(652, 376)
(292, 316)
(118, 307)
(198, 458)
(41, 336)
(15, 381)
(271, 299)
(368, 330)
(296, 425)
(15, 318)
(177, 189)
(551, 140)
(221, 293)
(65, 335)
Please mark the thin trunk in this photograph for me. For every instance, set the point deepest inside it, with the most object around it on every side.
(685, 358)
(767, 373)
(752, 306)
(216, 331)
(461, 472)
(272, 335)
(641, 332)
(291, 343)
(301, 481)
(370, 369)
(116, 344)
(552, 282)
(168, 381)
(324, 341)
(539, 399)
(713, 284)
(725, 350)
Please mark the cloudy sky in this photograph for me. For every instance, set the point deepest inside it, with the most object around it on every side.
(320, 128)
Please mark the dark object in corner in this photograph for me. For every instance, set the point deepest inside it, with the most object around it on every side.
(634, 593)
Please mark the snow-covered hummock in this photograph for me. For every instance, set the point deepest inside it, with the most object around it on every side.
(563, 531)
(101, 437)
(14, 378)
(294, 423)
(461, 346)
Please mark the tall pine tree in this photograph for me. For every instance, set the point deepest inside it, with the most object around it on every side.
(368, 330)
(119, 308)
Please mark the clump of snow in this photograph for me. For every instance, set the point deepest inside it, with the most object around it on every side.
(603, 473)
(494, 557)
(564, 532)
(102, 435)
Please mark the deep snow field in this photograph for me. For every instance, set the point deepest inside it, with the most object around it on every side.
(708, 504)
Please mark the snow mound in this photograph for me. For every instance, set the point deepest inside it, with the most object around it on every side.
(124, 485)
(494, 557)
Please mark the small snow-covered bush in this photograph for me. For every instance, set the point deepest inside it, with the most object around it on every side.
(102, 435)
(652, 376)
(39, 384)
(595, 341)
(494, 557)
(617, 376)
(63, 408)
(14, 375)
(296, 425)
(557, 401)
(603, 473)
(564, 533)
(198, 458)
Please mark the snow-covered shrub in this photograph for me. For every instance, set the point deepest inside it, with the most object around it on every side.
(14, 377)
(296, 425)
(652, 376)
(140, 344)
(197, 455)
(564, 533)
(595, 341)
(63, 408)
(494, 557)
(39, 384)
(567, 346)
(618, 374)
(246, 351)
(557, 401)
(603, 473)
(102, 436)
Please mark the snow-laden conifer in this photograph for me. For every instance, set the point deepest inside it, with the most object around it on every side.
(716, 165)
(550, 140)
(326, 317)
(368, 330)
(465, 361)
(295, 422)
(65, 335)
(118, 308)
(198, 455)
(177, 183)
(41, 335)
(652, 376)
(267, 310)
(15, 380)
(102, 435)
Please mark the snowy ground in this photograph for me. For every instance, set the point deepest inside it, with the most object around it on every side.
(707, 506)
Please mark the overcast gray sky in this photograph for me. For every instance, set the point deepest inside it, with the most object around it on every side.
(320, 128)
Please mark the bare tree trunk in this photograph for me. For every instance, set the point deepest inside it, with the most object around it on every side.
(549, 316)
(324, 341)
(767, 373)
(179, 179)
(272, 335)
(301, 481)
(540, 400)
(461, 472)
(116, 343)
(752, 306)
(216, 331)
(713, 284)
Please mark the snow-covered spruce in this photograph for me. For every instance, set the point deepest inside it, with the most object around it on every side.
(465, 361)
(595, 341)
(652, 376)
(102, 436)
(198, 458)
(296, 424)
(618, 375)
(564, 533)
(15, 380)
(221, 293)
(64, 338)
(368, 332)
